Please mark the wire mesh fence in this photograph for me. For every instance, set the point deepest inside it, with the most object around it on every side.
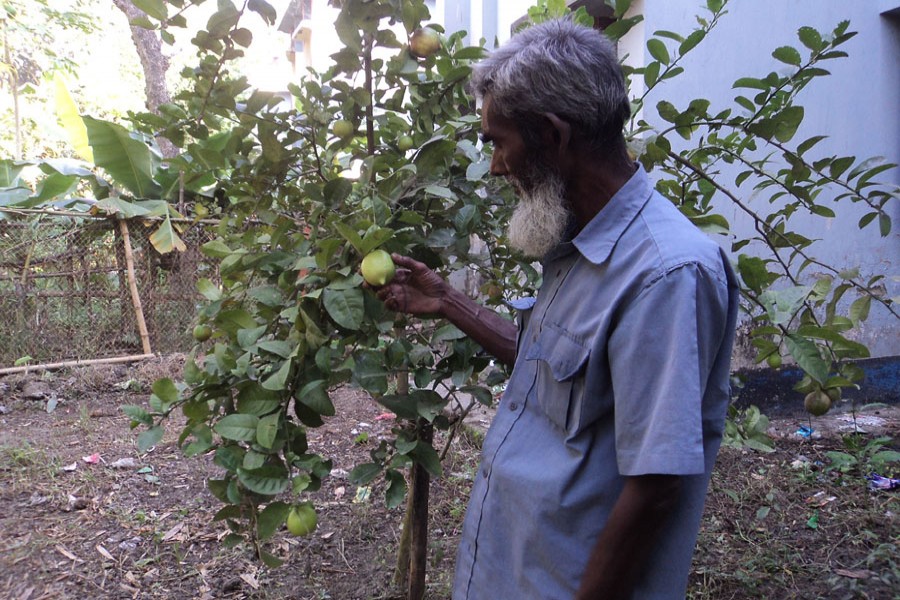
(65, 293)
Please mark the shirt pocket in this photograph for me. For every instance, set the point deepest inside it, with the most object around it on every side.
(559, 382)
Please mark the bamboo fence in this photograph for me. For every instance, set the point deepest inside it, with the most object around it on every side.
(81, 289)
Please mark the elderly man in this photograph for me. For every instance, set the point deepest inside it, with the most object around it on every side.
(596, 465)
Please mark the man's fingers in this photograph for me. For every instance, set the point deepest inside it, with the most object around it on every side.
(407, 262)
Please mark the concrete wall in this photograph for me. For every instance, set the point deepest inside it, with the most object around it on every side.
(858, 107)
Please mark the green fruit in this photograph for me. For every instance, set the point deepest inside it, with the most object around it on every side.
(834, 394)
(817, 403)
(424, 42)
(302, 520)
(342, 128)
(202, 333)
(774, 360)
(377, 268)
(405, 143)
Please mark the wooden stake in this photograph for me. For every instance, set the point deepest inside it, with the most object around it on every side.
(75, 363)
(132, 284)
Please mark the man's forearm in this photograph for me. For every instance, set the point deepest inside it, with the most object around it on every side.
(495, 334)
(629, 537)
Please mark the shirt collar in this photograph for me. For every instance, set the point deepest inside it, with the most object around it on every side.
(599, 236)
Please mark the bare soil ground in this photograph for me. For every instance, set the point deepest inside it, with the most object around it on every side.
(785, 524)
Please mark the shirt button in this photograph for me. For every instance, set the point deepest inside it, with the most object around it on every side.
(513, 406)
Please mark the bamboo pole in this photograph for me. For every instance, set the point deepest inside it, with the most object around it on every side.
(75, 363)
(132, 284)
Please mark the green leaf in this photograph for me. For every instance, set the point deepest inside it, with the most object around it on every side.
(9, 172)
(268, 480)
(427, 456)
(787, 54)
(229, 457)
(149, 438)
(364, 473)
(754, 272)
(267, 430)
(658, 50)
(278, 380)
(859, 310)
(55, 186)
(884, 224)
(242, 37)
(253, 399)
(350, 234)
(691, 42)
(787, 122)
(396, 490)
(810, 38)
(402, 406)
(618, 29)
(137, 414)
(165, 390)
(271, 518)
(238, 427)
(209, 290)
(222, 21)
(651, 74)
(127, 160)
(369, 372)
(346, 307)
(750, 82)
(866, 219)
(264, 9)
(247, 337)
(447, 333)
(216, 248)
(155, 8)
(315, 395)
(469, 53)
(839, 165)
(806, 353)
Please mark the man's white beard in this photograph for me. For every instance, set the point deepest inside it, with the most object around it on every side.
(540, 219)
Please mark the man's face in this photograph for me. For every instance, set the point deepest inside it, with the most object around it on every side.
(541, 217)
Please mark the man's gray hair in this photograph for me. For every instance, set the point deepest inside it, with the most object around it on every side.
(561, 67)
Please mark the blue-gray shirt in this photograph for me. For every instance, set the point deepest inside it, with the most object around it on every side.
(622, 368)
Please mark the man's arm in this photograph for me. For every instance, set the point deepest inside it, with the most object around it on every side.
(418, 290)
(629, 537)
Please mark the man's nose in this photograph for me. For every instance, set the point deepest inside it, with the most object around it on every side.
(498, 166)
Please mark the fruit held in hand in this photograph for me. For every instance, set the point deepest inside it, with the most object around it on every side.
(377, 268)
(342, 128)
(424, 42)
(817, 403)
(302, 520)
(202, 333)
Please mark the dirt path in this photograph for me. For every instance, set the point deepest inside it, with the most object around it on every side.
(83, 515)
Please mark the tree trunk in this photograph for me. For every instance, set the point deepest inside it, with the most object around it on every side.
(419, 520)
(154, 63)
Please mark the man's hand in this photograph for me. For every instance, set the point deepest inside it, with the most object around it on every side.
(621, 552)
(415, 289)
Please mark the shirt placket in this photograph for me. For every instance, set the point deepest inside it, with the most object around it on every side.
(516, 395)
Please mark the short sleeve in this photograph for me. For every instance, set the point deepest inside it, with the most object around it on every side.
(661, 354)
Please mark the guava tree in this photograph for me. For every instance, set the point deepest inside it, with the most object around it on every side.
(379, 152)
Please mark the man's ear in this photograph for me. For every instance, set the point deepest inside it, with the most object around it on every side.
(561, 133)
